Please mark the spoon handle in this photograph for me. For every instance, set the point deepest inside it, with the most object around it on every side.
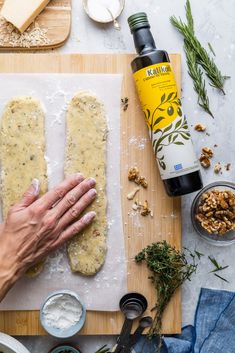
(124, 337)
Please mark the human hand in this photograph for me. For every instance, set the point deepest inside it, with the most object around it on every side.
(34, 226)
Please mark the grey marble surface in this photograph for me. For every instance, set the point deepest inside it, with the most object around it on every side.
(214, 21)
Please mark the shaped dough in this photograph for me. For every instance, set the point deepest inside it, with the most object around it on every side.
(22, 147)
(86, 153)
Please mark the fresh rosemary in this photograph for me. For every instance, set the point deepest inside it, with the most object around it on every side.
(199, 83)
(169, 269)
(217, 268)
(103, 349)
(202, 57)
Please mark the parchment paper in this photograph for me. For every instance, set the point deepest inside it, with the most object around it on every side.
(103, 291)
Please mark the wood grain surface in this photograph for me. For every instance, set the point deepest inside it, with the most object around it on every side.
(56, 17)
(166, 222)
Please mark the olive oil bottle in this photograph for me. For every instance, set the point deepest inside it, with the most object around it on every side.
(160, 100)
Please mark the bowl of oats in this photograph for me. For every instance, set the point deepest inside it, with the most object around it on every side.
(213, 213)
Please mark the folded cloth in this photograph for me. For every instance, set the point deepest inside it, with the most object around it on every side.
(213, 331)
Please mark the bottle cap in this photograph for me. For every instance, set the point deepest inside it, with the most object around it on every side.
(138, 20)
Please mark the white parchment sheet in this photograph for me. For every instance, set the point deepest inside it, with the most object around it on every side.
(103, 291)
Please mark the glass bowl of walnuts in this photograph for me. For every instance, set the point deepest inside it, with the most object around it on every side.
(213, 213)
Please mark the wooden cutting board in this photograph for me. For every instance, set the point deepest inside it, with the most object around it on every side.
(56, 19)
(135, 150)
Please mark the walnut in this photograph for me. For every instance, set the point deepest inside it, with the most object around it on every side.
(208, 152)
(145, 209)
(134, 175)
(217, 168)
(228, 166)
(205, 161)
(132, 194)
(216, 211)
(206, 155)
(143, 182)
(199, 127)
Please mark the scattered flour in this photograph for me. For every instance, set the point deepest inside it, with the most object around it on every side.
(139, 142)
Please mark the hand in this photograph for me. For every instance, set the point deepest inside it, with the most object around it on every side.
(36, 226)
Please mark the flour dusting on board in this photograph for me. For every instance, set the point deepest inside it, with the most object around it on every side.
(139, 142)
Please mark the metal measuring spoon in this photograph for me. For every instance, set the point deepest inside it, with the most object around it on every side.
(143, 324)
(132, 305)
(116, 24)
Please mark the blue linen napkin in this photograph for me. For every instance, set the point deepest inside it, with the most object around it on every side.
(213, 331)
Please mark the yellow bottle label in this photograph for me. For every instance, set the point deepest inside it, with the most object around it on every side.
(166, 122)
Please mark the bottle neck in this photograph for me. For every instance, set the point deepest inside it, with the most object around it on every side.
(144, 42)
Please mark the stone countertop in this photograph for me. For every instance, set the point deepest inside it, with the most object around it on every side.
(214, 22)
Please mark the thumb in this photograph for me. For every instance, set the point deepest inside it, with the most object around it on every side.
(30, 195)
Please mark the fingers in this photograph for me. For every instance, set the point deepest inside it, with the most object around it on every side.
(74, 212)
(74, 229)
(59, 192)
(30, 195)
(73, 197)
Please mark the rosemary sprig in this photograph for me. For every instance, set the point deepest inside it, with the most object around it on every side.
(211, 49)
(222, 278)
(199, 254)
(199, 83)
(217, 268)
(202, 57)
(189, 16)
(169, 269)
(103, 349)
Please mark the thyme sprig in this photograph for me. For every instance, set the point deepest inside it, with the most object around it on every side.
(217, 80)
(169, 269)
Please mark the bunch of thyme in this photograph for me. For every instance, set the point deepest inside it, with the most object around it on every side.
(197, 56)
(169, 269)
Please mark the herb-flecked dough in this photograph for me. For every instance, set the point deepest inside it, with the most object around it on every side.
(86, 153)
(22, 150)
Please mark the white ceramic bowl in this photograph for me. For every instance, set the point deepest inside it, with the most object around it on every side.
(115, 16)
(9, 344)
(73, 330)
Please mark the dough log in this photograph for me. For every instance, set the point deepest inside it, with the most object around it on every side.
(86, 153)
(22, 149)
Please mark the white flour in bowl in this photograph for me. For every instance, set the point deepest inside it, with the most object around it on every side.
(62, 311)
(100, 9)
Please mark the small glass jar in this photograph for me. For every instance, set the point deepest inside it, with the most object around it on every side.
(214, 239)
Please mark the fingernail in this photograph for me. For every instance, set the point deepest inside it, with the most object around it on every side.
(89, 217)
(91, 182)
(92, 192)
(79, 177)
(36, 186)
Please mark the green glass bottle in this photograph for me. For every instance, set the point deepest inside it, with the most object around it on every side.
(160, 100)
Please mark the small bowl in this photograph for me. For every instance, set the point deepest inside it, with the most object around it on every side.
(213, 239)
(111, 19)
(64, 347)
(71, 331)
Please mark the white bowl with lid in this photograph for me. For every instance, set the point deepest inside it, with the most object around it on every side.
(104, 11)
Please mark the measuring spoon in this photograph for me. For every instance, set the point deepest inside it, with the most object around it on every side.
(132, 305)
